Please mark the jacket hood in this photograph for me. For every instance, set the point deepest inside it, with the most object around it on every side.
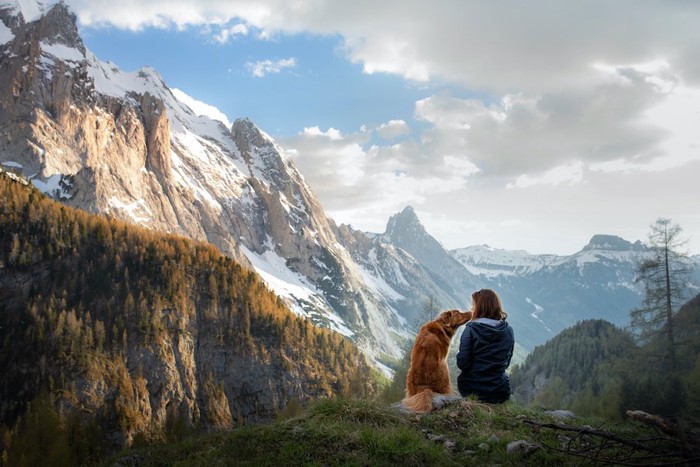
(488, 333)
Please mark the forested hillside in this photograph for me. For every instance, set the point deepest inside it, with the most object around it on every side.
(596, 368)
(128, 332)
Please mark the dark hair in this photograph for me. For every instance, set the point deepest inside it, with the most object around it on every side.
(487, 305)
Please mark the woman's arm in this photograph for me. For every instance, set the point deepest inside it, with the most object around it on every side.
(512, 346)
(464, 356)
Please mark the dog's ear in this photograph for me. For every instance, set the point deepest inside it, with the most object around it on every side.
(445, 318)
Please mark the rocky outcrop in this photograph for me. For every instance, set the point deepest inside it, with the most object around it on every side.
(157, 129)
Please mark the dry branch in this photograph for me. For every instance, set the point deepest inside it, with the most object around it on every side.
(594, 432)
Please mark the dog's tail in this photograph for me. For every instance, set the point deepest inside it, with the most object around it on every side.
(422, 401)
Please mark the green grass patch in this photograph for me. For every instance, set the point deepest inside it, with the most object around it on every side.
(360, 432)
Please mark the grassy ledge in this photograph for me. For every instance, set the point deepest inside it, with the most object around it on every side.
(340, 431)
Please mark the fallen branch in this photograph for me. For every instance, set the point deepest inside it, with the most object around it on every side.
(679, 459)
(665, 454)
(594, 432)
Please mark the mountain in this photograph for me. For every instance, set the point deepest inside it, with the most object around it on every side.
(547, 293)
(126, 145)
(130, 330)
(578, 359)
(405, 231)
(596, 368)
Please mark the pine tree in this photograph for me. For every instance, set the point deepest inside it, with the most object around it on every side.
(428, 312)
(664, 276)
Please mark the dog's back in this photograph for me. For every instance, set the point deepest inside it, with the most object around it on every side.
(428, 373)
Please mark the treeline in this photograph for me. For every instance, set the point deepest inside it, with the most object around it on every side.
(595, 368)
(129, 330)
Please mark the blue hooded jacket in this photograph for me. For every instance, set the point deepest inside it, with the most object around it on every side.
(485, 350)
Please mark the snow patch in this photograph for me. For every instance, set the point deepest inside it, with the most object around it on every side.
(290, 285)
(12, 164)
(30, 10)
(386, 371)
(14, 177)
(536, 314)
(200, 108)
(63, 52)
(485, 261)
(53, 186)
(6, 34)
(137, 210)
(379, 285)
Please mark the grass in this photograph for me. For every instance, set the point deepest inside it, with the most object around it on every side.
(358, 432)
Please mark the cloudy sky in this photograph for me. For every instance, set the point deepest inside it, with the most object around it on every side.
(522, 125)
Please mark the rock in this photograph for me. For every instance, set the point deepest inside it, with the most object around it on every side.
(560, 414)
(449, 445)
(521, 447)
(493, 439)
(485, 446)
(441, 400)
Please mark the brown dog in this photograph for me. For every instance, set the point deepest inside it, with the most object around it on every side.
(428, 373)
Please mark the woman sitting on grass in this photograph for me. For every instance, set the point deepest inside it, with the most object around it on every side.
(485, 350)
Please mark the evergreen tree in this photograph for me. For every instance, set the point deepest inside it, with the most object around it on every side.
(429, 312)
(664, 276)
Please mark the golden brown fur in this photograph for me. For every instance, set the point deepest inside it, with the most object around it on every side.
(428, 373)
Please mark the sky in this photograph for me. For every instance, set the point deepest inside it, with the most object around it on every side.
(522, 125)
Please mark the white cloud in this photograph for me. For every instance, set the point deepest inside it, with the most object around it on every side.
(534, 46)
(226, 33)
(332, 134)
(393, 129)
(532, 134)
(570, 173)
(265, 67)
(349, 177)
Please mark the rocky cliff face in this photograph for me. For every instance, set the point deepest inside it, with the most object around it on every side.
(95, 151)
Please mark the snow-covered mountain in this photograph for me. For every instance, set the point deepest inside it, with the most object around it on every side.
(125, 144)
(547, 293)
(486, 261)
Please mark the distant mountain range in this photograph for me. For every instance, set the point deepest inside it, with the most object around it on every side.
(126, 145)
(547, 293)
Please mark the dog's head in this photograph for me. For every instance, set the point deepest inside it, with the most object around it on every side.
(452, 319)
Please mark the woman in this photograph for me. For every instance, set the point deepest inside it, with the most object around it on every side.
(485, 350)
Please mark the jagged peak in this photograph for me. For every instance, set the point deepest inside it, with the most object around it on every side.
(245, 123)
(407, 219)
(612, 243)
(59, 25)
(250, 132)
